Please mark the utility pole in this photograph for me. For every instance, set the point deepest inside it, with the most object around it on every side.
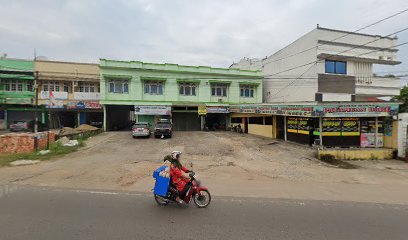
(36, 110)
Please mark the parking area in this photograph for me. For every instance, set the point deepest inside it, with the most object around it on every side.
(229, 163)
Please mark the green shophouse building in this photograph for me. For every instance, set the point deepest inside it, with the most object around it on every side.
(193, 97)
(16, 91)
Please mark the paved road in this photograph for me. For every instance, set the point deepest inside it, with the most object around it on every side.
(47, 213)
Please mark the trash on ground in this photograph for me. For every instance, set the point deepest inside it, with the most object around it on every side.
(71, 143)
(24, 162)
(44, 152)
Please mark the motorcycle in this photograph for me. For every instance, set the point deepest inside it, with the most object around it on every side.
(200, 194)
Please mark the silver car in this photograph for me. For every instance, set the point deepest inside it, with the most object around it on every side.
(141, 129)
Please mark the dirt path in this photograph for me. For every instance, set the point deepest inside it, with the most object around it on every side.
(230, 164)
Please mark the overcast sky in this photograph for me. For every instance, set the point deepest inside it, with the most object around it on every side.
(213, 33)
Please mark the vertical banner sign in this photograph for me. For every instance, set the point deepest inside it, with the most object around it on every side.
(202, 110)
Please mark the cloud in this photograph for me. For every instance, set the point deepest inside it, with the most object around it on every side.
(206, 32)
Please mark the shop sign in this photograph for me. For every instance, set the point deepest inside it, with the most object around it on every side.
(343, 110)
(57, 95)
(19, 101)
(288, 110)
(202, 110)
(217, 110)
(83, 105)
(152, 110)
(356, 110)
(55, 104)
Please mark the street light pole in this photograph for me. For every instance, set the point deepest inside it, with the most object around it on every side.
(36, 110)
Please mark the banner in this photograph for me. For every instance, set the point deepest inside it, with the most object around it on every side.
(341, 110)
(217, 110)
(83, 105)
(202, 110)
(152, 110)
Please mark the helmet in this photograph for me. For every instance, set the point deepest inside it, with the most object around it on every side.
(175, 154)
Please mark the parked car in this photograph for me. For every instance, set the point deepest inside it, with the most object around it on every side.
(163, 129)
(141, 129)
(27, 126)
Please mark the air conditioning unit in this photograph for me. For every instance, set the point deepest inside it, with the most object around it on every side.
(219, 99)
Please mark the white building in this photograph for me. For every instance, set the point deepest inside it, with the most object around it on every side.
(328, 65)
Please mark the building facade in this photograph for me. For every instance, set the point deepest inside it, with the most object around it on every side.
(192, 97)
(321, 90)
(68, 93)
(328, 65)
(16, 91)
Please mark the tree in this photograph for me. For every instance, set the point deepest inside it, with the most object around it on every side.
(403, 98)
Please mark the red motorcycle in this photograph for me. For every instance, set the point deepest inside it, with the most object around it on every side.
(200, 194)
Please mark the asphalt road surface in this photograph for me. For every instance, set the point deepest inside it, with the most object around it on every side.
(50, 213)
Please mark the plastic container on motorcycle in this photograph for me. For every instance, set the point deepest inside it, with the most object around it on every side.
(157, 171)
(161, 186)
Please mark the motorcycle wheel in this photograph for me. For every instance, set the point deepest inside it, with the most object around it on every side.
(203, 199)
(161, 200)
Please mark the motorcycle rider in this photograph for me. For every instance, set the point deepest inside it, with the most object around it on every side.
(176, 172)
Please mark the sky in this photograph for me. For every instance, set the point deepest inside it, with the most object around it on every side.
(207, 32)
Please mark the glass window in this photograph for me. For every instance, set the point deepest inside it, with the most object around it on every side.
(66, 87)
(20, 86)
(247, 90)
(181, 90)
(160, 89)
(111, 86)
(219, 90)
(341, 67)
(30, 86)
(154, 87)
(336, 67)
(193, 90)
(125, 87)
(56, 86)
(329, 67)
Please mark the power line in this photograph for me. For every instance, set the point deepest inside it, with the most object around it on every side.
(340, 37)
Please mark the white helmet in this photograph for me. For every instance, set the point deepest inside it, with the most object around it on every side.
(175, 154)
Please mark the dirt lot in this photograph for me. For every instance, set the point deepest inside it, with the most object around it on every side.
(228, 163)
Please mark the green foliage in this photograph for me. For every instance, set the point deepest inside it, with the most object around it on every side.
(403, 98)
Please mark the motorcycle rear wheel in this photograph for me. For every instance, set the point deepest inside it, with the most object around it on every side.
(161, 200)
(203, 199)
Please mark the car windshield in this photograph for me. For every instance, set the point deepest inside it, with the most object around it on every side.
(163, 125)
(140, 126)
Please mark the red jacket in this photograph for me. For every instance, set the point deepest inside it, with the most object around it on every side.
(177, 177)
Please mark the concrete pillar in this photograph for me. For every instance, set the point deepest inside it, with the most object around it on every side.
(104, 118)
(274, 127)
(321, 130)
(284, 128)
(202, 122)
(6, 125)
(376, 132)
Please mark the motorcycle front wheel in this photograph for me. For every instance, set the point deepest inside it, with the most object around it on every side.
(202, 199)
(161, 200)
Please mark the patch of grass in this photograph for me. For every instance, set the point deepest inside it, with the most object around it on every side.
(56, 149)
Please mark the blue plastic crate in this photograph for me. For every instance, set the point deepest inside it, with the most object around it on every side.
(161, 186)
(157, 171)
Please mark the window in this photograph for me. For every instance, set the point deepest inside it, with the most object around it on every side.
(336, 67)
(12, 85)
(30, 86)
(219, 90)
(188, 89)
(89, 87)
(247, 91)
(119, 86)
(51, 86)
(154, 87)
(66, 87)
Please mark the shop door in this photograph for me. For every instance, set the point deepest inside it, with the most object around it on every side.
(280, 127)
(186, 121)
